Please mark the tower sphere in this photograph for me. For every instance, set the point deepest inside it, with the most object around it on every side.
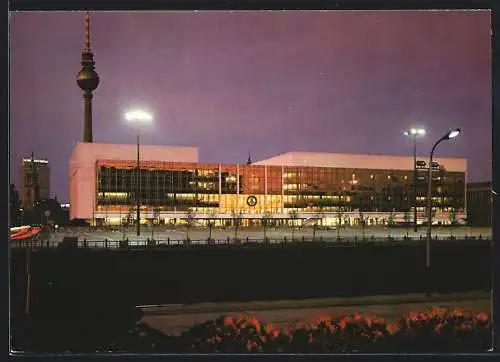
(87, 79)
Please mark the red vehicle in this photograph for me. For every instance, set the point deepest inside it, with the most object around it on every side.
(24, 232)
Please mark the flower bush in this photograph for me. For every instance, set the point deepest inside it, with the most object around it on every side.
(231, 334)
(436, 330)
(445, 331)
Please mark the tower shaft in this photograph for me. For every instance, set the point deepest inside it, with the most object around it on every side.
(87, 117)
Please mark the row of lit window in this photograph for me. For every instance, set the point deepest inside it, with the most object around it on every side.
(245, 188)
(307, 197)
(372, 176)
(254, 181)
(213, 169)
(127, 210)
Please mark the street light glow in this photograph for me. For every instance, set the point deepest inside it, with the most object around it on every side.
(454, 133)
(415, 132)
(138, 116)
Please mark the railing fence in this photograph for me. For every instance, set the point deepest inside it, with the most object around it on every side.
(353, 241)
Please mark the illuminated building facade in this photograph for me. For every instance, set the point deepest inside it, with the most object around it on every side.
(306, 185)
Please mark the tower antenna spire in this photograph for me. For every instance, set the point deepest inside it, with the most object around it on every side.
(88, 48)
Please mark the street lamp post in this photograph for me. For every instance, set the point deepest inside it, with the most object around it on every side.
(413, 133)
(138, 117)
(138, 188)
(449, 135)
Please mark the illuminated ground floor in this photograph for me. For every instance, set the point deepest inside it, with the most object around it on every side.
(290, 217)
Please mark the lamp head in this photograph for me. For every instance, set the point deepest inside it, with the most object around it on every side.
(453, 133)
(415, 132)
(138, 116)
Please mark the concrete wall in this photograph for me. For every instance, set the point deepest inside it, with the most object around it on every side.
(345, 160)
(267, 273)
(82, 168)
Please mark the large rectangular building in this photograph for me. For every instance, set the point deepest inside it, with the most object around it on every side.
(174, 186)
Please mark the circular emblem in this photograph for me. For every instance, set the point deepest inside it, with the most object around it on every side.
(251, 201)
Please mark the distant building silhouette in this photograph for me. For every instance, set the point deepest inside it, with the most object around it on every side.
(479, 203)
(14, 205)
(35, 180)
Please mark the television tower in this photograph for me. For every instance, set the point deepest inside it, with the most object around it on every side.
(88, 80)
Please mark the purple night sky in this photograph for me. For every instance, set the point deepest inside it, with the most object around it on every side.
(260, 82)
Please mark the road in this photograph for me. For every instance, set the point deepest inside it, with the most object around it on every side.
(174, 322)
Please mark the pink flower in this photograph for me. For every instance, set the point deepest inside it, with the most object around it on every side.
(228, 320)
(413, 317)
(268, 328)
(375, 320)
(323, 319)
(392, 328)
(332, 327)
(276, 332)
(241, 320)
(358, 317)
(343, 323)
(482, 317)
(255, 322)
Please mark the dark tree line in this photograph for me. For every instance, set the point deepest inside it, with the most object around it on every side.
(14, 206)
(35, 215)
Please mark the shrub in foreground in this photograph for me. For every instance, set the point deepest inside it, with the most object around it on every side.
(436, 330)
(445, 331)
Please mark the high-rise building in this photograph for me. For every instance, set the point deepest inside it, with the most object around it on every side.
(35, 181)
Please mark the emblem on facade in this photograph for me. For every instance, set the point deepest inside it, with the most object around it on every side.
(251, 201)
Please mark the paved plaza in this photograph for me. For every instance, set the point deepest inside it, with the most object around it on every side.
(257, 233)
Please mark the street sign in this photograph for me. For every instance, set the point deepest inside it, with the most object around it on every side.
(420, 164)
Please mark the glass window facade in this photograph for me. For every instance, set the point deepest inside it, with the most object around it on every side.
(169, 187)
